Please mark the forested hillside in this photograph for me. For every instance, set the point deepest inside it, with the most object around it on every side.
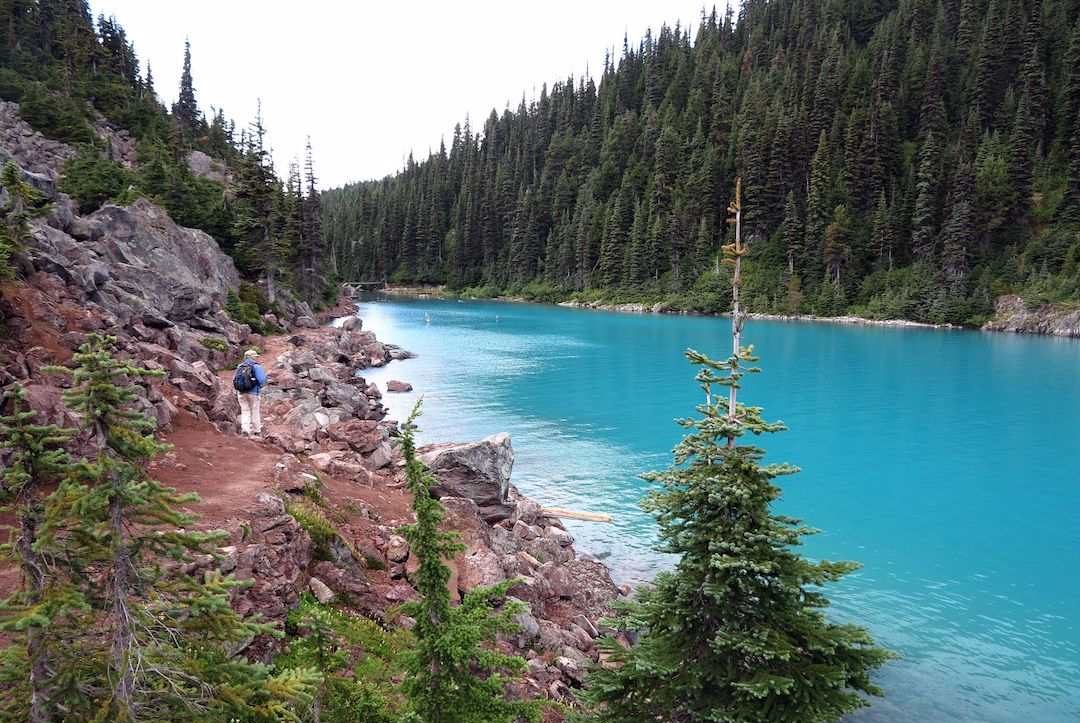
(80, 81)
(899, 159)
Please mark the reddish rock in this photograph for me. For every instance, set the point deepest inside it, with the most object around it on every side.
(362, 435)
(395, 385)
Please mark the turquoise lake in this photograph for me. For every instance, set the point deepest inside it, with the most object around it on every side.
(946, 462)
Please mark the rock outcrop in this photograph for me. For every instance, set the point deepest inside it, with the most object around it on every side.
(34, 153)
(130, 272)
(479, 471)
(138, 265)
(1012, 314)
(204, 166)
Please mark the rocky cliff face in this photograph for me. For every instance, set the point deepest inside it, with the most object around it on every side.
(1012, 314)
(128, 272)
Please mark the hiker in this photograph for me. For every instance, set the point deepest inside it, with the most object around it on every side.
(248, 380)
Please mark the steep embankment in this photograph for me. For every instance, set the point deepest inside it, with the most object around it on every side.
(315, 505)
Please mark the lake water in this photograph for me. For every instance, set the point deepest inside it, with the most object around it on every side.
(947, 463)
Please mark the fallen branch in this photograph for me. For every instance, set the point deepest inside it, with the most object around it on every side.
(575, 515)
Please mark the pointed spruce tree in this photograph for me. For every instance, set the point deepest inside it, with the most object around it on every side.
(737, 632)
(186, 109)
(454, 674)
(37, 458)
(22, 203)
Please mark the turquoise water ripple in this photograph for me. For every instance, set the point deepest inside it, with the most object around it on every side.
(947, 463)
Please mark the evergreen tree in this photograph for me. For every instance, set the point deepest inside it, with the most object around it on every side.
(737, 631)
(618, 231)
(254, 208)
(313, 246)
(818, 211)
(924, 222)
(169, 635)
(454, 674)
(186, 110)
(1022, 162)
(792, 232)
(883, 236)
(1071, 202)
(23, 203)
(837, 252)
(958, 232)
(38, 457)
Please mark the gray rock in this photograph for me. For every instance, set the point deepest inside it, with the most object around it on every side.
(321, 592)
(479, 471)
(1012, 314)
(528, 628)
(527, 511)
(562, 537)
(398, 549)
(321, 375)
(204, 166)
(479, 567)
(381, 457)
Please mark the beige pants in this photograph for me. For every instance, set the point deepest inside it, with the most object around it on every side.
(250, 420)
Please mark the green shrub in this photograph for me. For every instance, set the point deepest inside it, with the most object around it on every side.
(55, 116)
(12, 85)
(93, 180)
(214, 343)
(316, 524)
(361, 662)
(244, 312)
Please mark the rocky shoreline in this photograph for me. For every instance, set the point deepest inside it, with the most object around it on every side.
(313, 507)
(661, 308)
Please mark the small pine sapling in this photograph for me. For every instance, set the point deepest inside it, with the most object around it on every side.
(454, 674)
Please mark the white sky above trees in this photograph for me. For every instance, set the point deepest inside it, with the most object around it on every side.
(370, 81)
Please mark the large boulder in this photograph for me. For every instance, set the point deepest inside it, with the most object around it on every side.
(479, 471)
(136, 263)
(204, 166)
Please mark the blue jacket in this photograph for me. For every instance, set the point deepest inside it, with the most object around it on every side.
(260, 375)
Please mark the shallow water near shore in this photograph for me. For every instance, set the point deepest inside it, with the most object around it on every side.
(947, 463)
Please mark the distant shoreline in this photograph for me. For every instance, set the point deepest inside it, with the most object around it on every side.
(439, 292)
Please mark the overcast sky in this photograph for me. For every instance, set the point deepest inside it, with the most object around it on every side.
(371, 80)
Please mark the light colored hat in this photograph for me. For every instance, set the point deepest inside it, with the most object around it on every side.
(250, 354)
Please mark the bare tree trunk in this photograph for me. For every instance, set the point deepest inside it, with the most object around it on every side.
(33, 571)
(736, 310)
(123, 636)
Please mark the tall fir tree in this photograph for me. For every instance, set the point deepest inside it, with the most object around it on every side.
(186, 109)
(924, 222)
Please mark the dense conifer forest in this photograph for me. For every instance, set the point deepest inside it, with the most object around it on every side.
(71, 74)
(909, 159)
